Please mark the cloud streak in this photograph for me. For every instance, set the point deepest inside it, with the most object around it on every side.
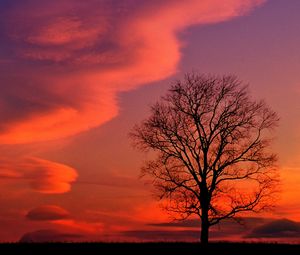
(162, 235)
(70, 59)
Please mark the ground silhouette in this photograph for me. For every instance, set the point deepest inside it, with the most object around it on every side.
(149, 248)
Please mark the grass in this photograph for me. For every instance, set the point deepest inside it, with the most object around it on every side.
(149, 248)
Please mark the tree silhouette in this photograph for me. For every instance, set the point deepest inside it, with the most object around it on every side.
(212, 149)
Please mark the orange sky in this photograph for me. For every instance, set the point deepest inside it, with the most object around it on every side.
(76, 76)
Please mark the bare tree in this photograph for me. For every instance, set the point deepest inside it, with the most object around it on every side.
(212, 142)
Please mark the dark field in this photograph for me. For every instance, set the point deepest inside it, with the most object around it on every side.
(148, 248)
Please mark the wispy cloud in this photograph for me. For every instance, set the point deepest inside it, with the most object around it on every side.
(71, 58)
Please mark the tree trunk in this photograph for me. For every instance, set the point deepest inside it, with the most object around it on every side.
(204, 228)
(204, 201)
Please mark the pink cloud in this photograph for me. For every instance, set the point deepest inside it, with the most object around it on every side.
(74, 57)
(42, 175)
(64, 31)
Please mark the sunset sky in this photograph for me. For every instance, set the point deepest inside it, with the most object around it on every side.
(75, 76)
